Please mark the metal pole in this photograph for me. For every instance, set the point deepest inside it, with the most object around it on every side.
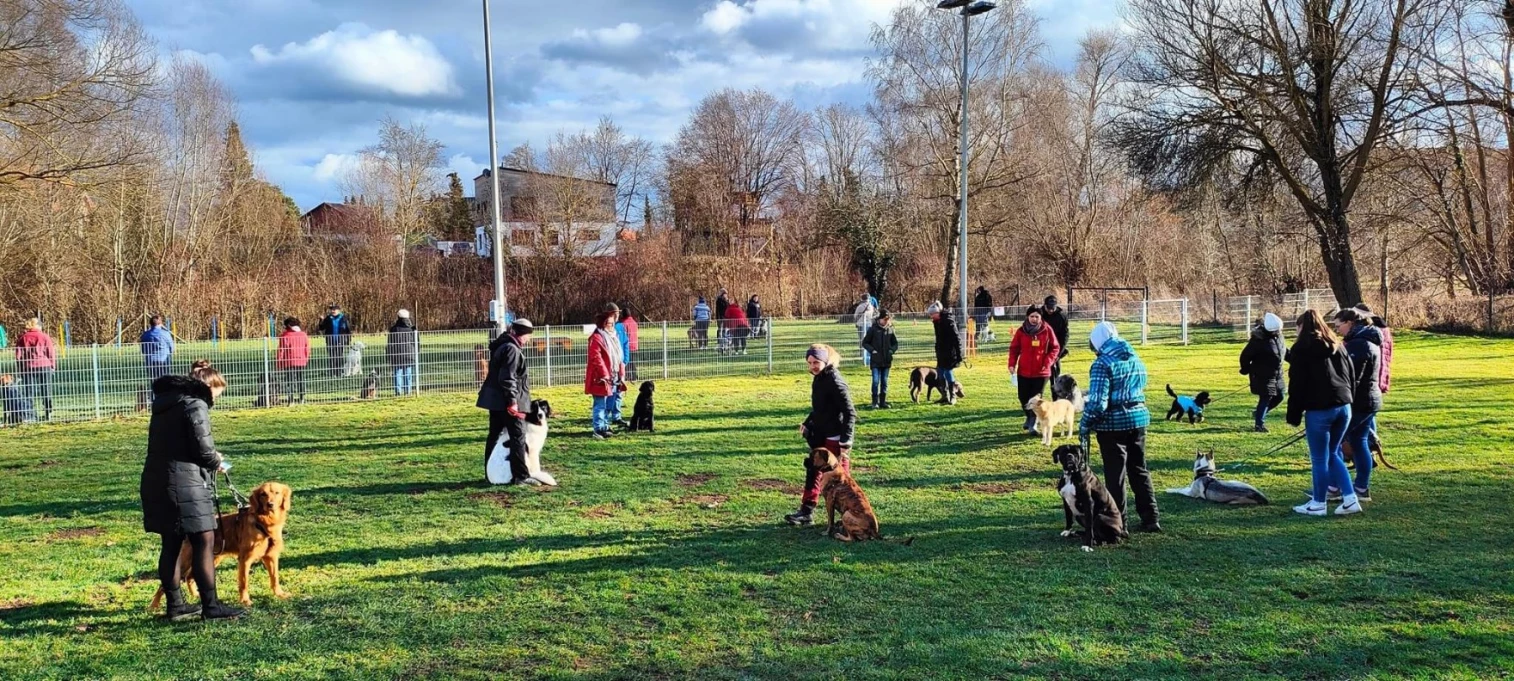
(1145, 321)
(962, 180)
(267, 378)
(664, 350)
(1247, 328)
(501, 296)
(1185, 321)
(549, 355)
(95, 356)
(770, 350)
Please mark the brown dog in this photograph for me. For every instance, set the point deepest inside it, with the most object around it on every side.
(480, 364)
(843, 495)
(255, 533)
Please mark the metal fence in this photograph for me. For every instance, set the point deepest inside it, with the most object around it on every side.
(1244, 311)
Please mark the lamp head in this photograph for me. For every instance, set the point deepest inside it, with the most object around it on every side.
(980, 7)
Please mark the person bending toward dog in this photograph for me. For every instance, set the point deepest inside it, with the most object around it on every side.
(1032, 352)
(830, 426)
(948, 350)
(1364, 345)
(881, 343)
(1320, 374)
(1262, 360)
(506, 390)
(178, 487)
(1115, 412)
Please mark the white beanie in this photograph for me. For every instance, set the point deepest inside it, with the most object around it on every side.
(404, 314)
(933, 308)
(1271, 322)
(1102, 332)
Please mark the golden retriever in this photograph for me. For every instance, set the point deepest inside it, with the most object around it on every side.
(1051, 414)
(255, 533)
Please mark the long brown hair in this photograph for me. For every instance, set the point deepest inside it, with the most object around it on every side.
(202, 369)
(1312, 325)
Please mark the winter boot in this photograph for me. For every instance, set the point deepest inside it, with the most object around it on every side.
(213, 609)
(802, 516)
(178, 610)
(1030, 423)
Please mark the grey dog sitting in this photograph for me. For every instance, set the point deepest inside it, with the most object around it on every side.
(1210, 488)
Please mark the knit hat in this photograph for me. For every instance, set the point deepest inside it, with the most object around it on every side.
(933, 308)
(1102, 332)
(404, 314)
(522, 326)
(1032, 310)
(1272, 322)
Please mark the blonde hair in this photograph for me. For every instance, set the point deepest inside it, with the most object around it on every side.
(832, 357)
(33, 324)
(204, 371)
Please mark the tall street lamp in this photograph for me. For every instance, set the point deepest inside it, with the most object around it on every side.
(501, 296)
(968, 9)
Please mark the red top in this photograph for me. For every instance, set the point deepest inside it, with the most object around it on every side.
(631, 333)
(735, 318)
(1035, 354)
(294, 350)
(599, 368)
(36, 350)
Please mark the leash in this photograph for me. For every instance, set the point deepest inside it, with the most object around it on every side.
(1237, 391)
(241, 500)
(1292, 439)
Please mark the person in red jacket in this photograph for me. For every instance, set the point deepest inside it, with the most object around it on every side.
(605, 375)
(633, 341)
(738, 327)
(291, 359)
(36, 360)
(1032, 352)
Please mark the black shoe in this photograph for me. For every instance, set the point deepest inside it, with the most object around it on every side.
(800, 517)
(178, 610)
(603, 434)
(215, 610)
(884, 405)
(621, 423)
(1153, 528)
(1260, 428)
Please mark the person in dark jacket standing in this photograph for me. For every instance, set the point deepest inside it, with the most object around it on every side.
(983, 309)
(722, 303)
(1320, 381)
(881, 343)
(1115, 413)
(1032, 351)
(337, 330)
(1056, 318)
(178, 487)
(948, 350)
(403, 350)
(831, 424)
(1364, 346)
(506, 393)
(754, 316)
(1262, 360)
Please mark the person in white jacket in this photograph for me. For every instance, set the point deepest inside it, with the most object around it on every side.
(863, 316)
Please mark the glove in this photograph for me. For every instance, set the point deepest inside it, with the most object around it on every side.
(511, 410)
(622, 387)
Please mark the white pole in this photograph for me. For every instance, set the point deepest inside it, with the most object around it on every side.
(1185, 321)
(549, 355)
(664, 350)
(95, 356)
(1247, 329)
(770, 350)
(501, 296)
(1145, 321)
(962, 181)
(267, 379)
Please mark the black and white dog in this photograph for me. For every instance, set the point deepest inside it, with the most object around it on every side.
(536, 438)
(1066, 388)
(1086, 500)
(643, 417)
(1192, 407)
(1210, 488)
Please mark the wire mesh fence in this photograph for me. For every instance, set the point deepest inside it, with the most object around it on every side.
(1244, 311)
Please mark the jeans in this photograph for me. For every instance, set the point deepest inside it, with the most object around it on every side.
(880, 385)
(1358, 434)
(1264, 404)
(947, 379)
(616, 399)
(1325, 429)
(866, 356)
(702, 334)
(404, 380)
(1124, 454)
(599, 414)
(39, 387)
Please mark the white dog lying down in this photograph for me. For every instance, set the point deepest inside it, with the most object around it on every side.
(498, 470)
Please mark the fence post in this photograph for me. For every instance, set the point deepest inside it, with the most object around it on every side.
(1145, 321)
(95, 357)
(549, 355)
(1185, 321)
(770, 349)
(664, 350)
(1306, 301)
(1104, 310)
(119, 331)
(268, 378)
(1247, 328)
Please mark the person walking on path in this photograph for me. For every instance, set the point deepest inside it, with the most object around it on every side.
(740, 329)
(1364, 344)
(948, 350)
(605, 375)
(290, 359)
(830, 425)
(983, 310)
(1320, 393)
(1262, 360)
(337, 330)
(506, 394)
(36, 360)
(178, 489)
(881, 343)
(403, 347)
(863, 317)
(1056, 318)
(754, 316)
(157, 349)
(1032, 351)
(1115, 413)
(702, 323)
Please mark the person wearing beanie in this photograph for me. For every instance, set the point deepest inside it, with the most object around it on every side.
(1032, 351)
(1114, 412)
(881, 343)
(506, 394)
(1262, 360)
(830, 425)
(1363, 343)
(949, 350)
(403, 348)
(1056, 318)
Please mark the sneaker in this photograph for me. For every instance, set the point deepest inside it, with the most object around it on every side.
(178, 610)
(1349, 506)
(800, 517)
(884, 405)
(1363, 495)
(603, 434)
(1332, 494)
(1311, 507)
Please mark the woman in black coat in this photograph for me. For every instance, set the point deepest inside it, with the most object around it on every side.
(830, 425)
(1263, 361)
(1320, 375)
(948, 350)
(178, 486)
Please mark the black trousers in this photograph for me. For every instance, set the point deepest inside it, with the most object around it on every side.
(1030, 387)
(1124, 453)
(293, 380)
(501, 422)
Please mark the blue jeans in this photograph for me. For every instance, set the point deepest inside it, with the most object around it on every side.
(404, 380)
(616, 399)
(880, 384)
(947, 379)
(1325, 430)
(599, 414)
(1264, 404)
(1357, 436)
(866, 356)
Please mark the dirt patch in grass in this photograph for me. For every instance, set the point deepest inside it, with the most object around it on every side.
(695, 479)
(601, 511)
(773, 485)
(500, 499)
(15, 604)
(74, 533)
(993, 487)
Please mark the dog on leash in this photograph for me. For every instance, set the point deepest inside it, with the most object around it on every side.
(352, 363)
(1085, 500)
(536, 437)
(1192, 407)
(1066, 388)
(1210, 488)
(370, 386)
(643, 417)
(844, 497)
(925, 379)
(1050, 414)
(252, 534)
(480, 364)
(1374, 444)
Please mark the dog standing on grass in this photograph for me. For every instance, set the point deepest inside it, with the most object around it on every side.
(1192, 407)
(925, 379)
(1085, 500)
(252, 534)
(1050, 414)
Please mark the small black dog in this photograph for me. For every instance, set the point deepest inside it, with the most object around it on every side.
(1085, 499)
(925, 379)
(1192, 407)
(642, 418)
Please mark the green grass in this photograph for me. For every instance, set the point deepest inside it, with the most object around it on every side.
(661, 556)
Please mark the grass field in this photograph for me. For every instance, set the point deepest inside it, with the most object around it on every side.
(662, 556)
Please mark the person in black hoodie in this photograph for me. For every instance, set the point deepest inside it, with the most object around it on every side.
(178, 487)
(403, 349)
(948, 350)
(881, 343)
(1321, 376)
(506, 393)
(831, 424)
(1056, 318)
(1262, 360)
(754, 317)
(1364, 345)
(983, 310)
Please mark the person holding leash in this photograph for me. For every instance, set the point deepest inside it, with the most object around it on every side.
(1262, 360)
(1364, 345)
(1320, 375)
(1032, 352)
(1114, 411)
(506, 393)
(178, 488)
(1054, 317)
(948, 350)
(605, 375)
(881, 343)
(831, 424)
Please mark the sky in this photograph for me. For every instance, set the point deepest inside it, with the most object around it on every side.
(313, 78)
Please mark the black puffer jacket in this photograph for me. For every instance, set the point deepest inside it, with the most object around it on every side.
(1056, 318)
(1262, 360)
(1365, 345)
(1320, 377)
(831, 410)
(948, 343)
(507, 382)
(178, 479)
(881, 344)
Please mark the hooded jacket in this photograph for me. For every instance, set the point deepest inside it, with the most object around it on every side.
(507, 381)
(1364, 345)
(293, 351)
(831, 412)
(881, 343)
(1116, 397)
(35, 351)
(1031, 356)
(403, 344)
(948, 343)
(1262, 360)
(1056, 318)
(178, 478)
(1319, 376)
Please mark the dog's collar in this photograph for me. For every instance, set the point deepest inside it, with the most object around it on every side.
(1204, 473)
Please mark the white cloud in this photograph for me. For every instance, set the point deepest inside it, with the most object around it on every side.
(835, 24)
(619, 36)
(725, 17)
(334, 167)
(385, 61)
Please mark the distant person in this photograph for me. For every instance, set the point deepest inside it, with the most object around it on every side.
(290, 359)
(754, 315)
(738, 327)
(830, 425)
(403, 348)
(632, 343)
(1114, 412)
(14, 409)
(157, 348)
(1364, 343)
(1032, 351)
(862, 318)
(36, 360)
(1056, 318)
(5, 340)
(178, 488)
(1319, 398)
(506, 394)
(605, 374)
(949, 350)
(881, 343)
(702, 324)
(1262, 360)
(337, 330)
(722, 302)
(983, 310)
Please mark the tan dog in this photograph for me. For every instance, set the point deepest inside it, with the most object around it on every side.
(843, 495)
(1049, 415)
(255, 533)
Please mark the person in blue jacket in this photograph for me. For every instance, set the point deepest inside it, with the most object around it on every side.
(157, 348)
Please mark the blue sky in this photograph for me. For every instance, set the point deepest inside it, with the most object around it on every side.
(313, 77)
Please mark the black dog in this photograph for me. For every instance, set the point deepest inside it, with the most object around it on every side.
(1085, 499)
(925, 379)
(643, 417)
(1192, 407)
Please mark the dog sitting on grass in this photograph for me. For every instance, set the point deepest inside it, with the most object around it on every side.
(643, 417)
(845, 497)
(1085, 500)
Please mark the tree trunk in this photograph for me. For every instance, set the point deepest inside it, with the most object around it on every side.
(951, 264)
(1340, 262)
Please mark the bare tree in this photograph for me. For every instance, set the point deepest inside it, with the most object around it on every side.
(612, 157)
(397, 176)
